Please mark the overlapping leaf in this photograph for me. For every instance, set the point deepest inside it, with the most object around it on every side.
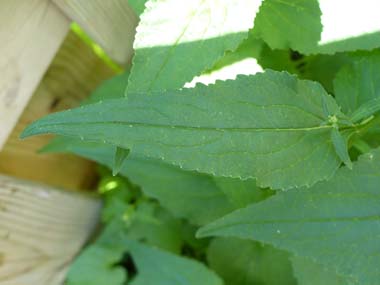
(157, 267)
(335, 223)
(358, 83)
(282, 24)
(177, 40)
(308, 272)
(270, 126)
(186, 194)
(245, 262)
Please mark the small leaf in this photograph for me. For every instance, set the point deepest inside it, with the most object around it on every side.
(96, 265)
(157, 267)
(120, 156)
(334, 223)
(340, 146)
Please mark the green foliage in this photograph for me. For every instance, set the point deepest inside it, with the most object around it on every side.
(216, 160)
(335, 223)
(281, 24)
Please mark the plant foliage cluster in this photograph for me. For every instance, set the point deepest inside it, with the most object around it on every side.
(266, 179)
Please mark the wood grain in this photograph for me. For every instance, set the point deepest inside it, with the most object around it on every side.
(41, 230)
(31, 32)
(110, 23)
(73, 74)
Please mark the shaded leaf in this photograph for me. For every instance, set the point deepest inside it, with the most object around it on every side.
(157, 267)
(186, 194)
(308, 272)
(294, 24)
(245, 262)
(335, 223)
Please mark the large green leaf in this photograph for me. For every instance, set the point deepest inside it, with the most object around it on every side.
(177, 40)
(270, 126)
(245, 262)
(335, 223)
(157, 267)
(358, 83)
(294, 24)
(186, 194)
(308, 272)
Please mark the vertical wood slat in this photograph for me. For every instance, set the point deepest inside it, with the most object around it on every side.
(31, 32)
(41, 230)
(73, 74)
(110, 23)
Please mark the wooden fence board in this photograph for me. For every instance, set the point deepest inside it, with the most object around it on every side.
(41, 230)
(73, 74)
(110, 23)
(31, 32)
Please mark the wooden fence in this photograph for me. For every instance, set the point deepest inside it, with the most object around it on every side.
(45, 68)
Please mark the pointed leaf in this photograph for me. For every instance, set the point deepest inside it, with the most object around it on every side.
(340, 145)
(335, 223)
(186, 194)
(120, 156)
(270, 126)
(157, 267)
(358, 83)
(188, 37)
(241, 193)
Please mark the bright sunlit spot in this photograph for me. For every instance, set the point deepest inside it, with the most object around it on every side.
(248, 66)
(190, 18)
(343, 19)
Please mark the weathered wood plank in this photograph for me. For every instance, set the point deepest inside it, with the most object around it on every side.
(31, 32)
(110, 23)
(41, 230)
(73, 74)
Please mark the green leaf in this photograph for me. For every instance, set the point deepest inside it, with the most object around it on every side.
(157, 267)
(308, 272)
(335, 223)
(294, 24)
(341, 148)
(96, 264)
(138, 6)
(120, 156)
(358, 83)
(154, 225)
(241, 193)
(244, 262)
(270, 126)
(186, 194)
(187, 38)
